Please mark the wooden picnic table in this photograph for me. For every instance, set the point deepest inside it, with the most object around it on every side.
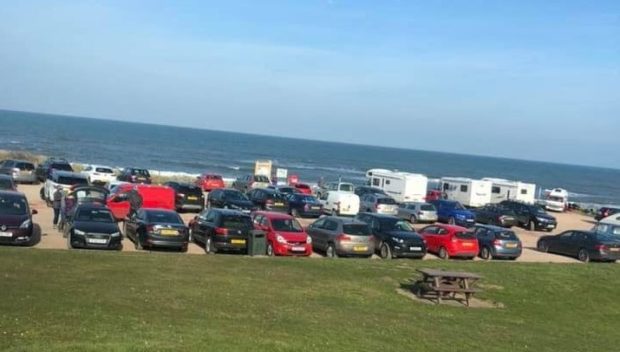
(442, 284)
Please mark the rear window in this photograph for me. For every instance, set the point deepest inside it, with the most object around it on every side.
(427, 207)
(96, 215)
(307, 199)
(214, 177)
(356, 229)
(104, 170)
(465, 235)
(141, 172)
(261, 178)
(189, 189)
(386, 201)
(276, 196)
(25, 166)
(237, 222)
(163, 217)
(234, 195)
(66, 180)
(346, 187)
(506, 235)
(61, 167)
(286, 225)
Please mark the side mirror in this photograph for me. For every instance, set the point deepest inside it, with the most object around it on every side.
(35, 212)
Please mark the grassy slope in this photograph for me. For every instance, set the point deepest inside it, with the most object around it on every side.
(61, 300)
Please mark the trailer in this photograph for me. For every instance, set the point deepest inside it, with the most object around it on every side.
(502, 189)
(402, 186)
(469, 192)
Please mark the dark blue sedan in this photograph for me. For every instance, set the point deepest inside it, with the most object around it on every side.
(304, 205)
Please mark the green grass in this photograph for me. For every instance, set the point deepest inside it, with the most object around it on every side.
(93, 301)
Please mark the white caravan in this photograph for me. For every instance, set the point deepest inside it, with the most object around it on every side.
(511, 190)
(402, 186)
(469, 192)
(556, 199)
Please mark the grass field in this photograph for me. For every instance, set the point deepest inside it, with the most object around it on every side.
(93, 301)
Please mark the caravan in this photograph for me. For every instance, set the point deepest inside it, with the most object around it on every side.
(471, 193)
(502, 189)
(402, 186)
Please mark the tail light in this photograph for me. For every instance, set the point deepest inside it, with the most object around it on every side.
(497, 243)
(221, 231)
(269, 202)
(601, 247)
(180, 195)
(343, 237)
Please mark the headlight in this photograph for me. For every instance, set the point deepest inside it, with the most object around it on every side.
(116, 234)
(542, 219)
(398, 240)
(280, 239)
(78, 232)
(309, 240)
(26, 224)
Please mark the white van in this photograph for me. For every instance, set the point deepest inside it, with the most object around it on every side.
(402, 186)
(340, 203)
(556, 199)
(470, 193)
(502, 189)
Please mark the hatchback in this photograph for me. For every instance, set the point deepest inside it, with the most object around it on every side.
(92, 226)
(285, 236)
(378, 203)
(187, 196)
(16, 225)
(336, 236)
(20, 170)
(208, 182)
(450, 241)
(269, 199)
(417, 212)
(135, 175)
(304, 205)
(497, 242)
(222, 230)
(395, 237)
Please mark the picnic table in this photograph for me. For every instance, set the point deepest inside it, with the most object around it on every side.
(440, 284)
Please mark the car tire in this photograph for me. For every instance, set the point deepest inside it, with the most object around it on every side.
(583, 255)
(209, 248)
(531, 225)
(385, 252)
(413, 219)
(184, 249)
(443, 253)
(542, 246)
(485, 253)
(270, 251)
(452, 221)
(330, 252)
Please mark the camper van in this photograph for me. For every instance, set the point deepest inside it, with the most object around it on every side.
(469, 192)
(402, 186)
(502, 189)
(556, 199)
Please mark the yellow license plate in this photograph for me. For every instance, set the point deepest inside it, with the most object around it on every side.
(192, 198)
(360, 248)
(614, 249)
(278, 204)
(467, 244)
(237, 241)
(168, 232)
(511, 245)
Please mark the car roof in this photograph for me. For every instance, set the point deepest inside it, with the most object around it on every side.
(273, 215)
(344, 220)
(611, 220)
(69, 174)
(451, 227)
(11, 193)
(493, 227)
(18, 161)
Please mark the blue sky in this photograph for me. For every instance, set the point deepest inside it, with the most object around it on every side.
(525, 79)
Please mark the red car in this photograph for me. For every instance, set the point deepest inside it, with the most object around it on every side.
(161, 197)
(285, 236)
(209, 182)
(450, 241)
(303, 188)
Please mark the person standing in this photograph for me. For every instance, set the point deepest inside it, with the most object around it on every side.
(56, 203)
(135, 201)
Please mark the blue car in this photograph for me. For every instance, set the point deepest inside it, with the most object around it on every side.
(453, 213)
(304, 205)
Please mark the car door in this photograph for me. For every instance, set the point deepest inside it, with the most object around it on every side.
(575, 243)
(209, 224)
(314, 231)
(561, 242)
(429, 233)
(130, 225)
(198, 226)
(330, 232)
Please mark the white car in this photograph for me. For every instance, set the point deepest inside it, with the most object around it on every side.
(340, 203)
(64, 179)
(99, 174)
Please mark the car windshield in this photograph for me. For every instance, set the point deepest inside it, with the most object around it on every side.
(286, 225)
(95, 215)
(69, 180)
(261, 178)
(189, 189)
(25, 166)
(236, 222)
(13, 205)
(141, 172)
(104, 170)
(356, 229)
(386, 201)
(506, 235)
(233, 195)
(465, 235)
(163, 217)
(6, 183)
(538, 210)
(555, 199)
(393, 224)
(61, 167)
(89, 194)
(346, 187)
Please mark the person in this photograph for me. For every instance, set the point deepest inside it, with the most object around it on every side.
(56, 203)
(135, 201)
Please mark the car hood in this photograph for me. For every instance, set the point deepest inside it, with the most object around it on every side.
(13, 220)
(293, 236)
(405, 235)
(96, 227)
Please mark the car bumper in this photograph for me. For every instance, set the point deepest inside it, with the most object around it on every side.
(462, 254)
(82, 242)
(190, 207)
(171, 242)
(406, 251)
(227, 245)
(25, 178)
(504, 253)
(546, 226)
(464, 223)
(607, 255)
(310, 213)
(19, 236)
(293, 249)
(423, 218)
(358, 249)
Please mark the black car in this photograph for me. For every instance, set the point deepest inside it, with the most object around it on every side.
(494, 214)
(361, 190)
(7, 184)
(583, 245)
(531, 216)
(16, 225)
(187, 196)
(396, 238)
(604, 212)
(229, 198)
(497, 242)
(134, 175)
(92, 226)
(287, 190)
(222, 230)
(304, 205)
(268, 199)
(149, 228)
(44, 170)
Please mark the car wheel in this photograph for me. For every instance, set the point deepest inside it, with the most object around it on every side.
(485, 253)
(330, 252)
(209, 248)
(270, 249)
(531, 226)
(385, 252)
(413, 219)
(542, 246)
(183, 249)
(451, 221)
(583, 255)
(443, 253)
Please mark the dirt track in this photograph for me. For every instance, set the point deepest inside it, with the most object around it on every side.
(51, 238)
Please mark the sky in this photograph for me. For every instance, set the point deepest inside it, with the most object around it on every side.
(536, 80)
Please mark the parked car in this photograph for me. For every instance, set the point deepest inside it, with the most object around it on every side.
(187, 196)
(20, 170)
(417, 212)
(155, 197)
(494, 214)
(450, 241)
(304, 205)
(92, 226)
(81, 195)
(334, 186)
(453, 213)
(583, 245)
(135, 175)
(222, 230)
(7, 184)
(604, 212)
(378, 203)
(303, 188)
(268, 199)
(42, 171)
(530, 216)
(497, 242)
(285, 236)
(16, 225)
(362, 190)
(149, 228)
(336, 236)
(340, 203)
(395, 237)
(249, 182)
(208, 182)
(286, 190)
(229, 198)
(65, 179)
(99, 174)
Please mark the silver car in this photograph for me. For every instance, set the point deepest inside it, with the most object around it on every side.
(22, 171)
(417, 212)
(336, 236)
(378, 203)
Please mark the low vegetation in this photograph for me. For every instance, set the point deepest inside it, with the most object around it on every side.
(93, 301)
(21, 155)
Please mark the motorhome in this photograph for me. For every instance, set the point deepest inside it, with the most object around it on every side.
(402, 186)
(502, 189)
(556, 199)
(469, 192)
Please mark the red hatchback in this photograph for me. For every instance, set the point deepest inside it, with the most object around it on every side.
(209, 182)
(303, 188)
(285, 236)
(450, 241)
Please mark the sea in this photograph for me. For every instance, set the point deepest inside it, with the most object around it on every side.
(189, 151)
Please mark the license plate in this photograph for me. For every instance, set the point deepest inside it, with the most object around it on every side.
(6, 234)
(169, 232)
(316, 208)
(299, 249)
(192, 198)
(237, 241)
(278, 204)
(415, 248)
(511, 245)
(97, 240)
(614, 249)
(360, 248)
(550, 226)
(467, 244)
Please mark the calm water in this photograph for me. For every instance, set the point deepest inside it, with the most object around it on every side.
(231, 154)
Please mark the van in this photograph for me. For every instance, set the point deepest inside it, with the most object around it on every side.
(556, 199)
(402, 186)
(156, 197)
(469, 192)
(340, 203)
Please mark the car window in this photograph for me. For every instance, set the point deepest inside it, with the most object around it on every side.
(68, 180)
(318, 224)
(330, 225)
(465, 235)
(237, 222)
(356, 229)
(442, 231)
(103, 170)
(506, 235)
(286, 225)
(94, 215)
(566, 235)
(211, 216)
(13, 205)
(261, 178)
(163, 217)
(257, 219)
(430, 230)
(427, 207)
